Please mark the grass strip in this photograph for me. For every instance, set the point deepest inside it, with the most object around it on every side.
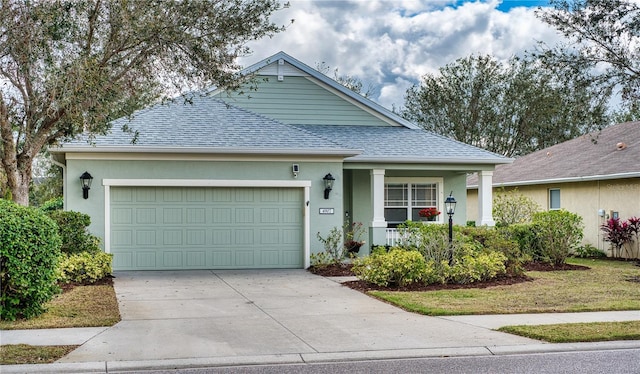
(82, 306)
(18, 354)
(606, 286)
(578, 332)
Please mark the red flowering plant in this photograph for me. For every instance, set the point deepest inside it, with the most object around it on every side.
(620, 233)
(429, 213)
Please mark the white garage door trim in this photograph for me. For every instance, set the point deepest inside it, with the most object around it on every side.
(108, 183)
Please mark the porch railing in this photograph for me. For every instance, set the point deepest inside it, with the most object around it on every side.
(393, 237)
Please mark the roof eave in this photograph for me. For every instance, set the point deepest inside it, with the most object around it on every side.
(209, 150)
(417, 160)
(586, 178)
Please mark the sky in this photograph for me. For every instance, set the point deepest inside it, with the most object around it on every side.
(390, 44)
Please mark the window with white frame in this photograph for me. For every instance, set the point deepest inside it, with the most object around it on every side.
(404, 200)
(554, 198)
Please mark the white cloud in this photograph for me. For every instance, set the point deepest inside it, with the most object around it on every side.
(391, 44)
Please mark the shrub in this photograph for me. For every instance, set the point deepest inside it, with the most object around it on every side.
(559, 232)
(526, 235)
(620, 233)
(333, 246)
(84, 267)
(57, 203)
(72, 227)
(473, 266)
(29, 250)
(589, 251)
(511, 207)
(396, 267)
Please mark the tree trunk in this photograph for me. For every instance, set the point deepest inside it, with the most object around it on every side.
(18, 179)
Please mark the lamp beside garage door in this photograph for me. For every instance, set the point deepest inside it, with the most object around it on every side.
(85, 183)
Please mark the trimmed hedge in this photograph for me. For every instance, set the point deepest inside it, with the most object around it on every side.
(72, 227)
(84, 267)
(29, 251)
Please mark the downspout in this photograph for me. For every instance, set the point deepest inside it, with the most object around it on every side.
(64, 181)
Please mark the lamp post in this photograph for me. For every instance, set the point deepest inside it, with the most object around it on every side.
(450, 206)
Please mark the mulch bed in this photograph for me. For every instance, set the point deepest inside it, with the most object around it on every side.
(340, 270)
(66, 287)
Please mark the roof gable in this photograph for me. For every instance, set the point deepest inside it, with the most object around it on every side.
(294, 93)
(611, 152)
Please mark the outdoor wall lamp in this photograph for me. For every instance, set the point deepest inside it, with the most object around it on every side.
(450, 206)
(328, 184)
(85, 182)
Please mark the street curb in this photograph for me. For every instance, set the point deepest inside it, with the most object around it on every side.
(310, 358)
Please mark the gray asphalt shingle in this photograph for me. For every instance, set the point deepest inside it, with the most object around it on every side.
(386, 142)
(207, 123)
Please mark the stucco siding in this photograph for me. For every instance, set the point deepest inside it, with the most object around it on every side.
(297, 100)
(584, 199)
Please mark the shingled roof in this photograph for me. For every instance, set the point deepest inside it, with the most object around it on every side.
(611, 153)
(401, 144)
(208, 125)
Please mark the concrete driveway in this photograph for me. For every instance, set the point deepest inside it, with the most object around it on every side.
(232, 313)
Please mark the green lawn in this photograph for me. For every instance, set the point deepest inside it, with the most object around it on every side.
(83, 306)
(606, 286)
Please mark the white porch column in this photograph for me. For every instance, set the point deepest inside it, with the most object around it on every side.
(485, 199)
(377, 198)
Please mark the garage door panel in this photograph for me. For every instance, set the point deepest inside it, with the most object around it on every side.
(206, 228)
(172, 259)
(145, 259)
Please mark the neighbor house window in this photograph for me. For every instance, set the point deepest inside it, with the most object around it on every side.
(554, 199)
(403, 201)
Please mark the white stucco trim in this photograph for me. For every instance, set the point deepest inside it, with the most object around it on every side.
(305, 184)
(377, 198)
(485, 199)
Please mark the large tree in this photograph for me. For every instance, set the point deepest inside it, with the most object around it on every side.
(603, 37)
(69, 66)
(510, 108)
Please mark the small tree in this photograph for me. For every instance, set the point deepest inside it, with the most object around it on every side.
(510, 207)
(559, 233)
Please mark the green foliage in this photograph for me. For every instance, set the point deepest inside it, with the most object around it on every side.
(57, 203)
(499, 240)
(526, 235)
(479, 254)
(85, 63)
(588, 251)
(48, 186)
(29, 250)
(72, 227)
(602, 40)
(396, 267)
(511, 207)
(84, 267)
(559, 232)
(321, 259)
(511, 108)
(473, 266)
(334, 248)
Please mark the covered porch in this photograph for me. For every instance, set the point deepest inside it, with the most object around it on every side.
(381, 198)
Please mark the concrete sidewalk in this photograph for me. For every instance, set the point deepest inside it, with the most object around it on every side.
(219, 318)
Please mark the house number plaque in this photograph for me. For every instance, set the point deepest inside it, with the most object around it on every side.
(326, 210)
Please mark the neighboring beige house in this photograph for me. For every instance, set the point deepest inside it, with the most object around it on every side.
(596, 176)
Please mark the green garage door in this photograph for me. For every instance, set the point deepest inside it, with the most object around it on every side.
(155, 228)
